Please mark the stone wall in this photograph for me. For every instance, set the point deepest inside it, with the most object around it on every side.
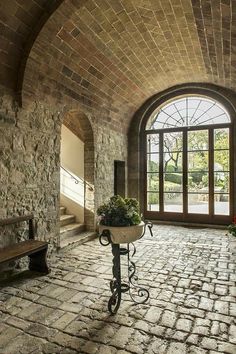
(29, 159)
(110, 146)
(30, 166)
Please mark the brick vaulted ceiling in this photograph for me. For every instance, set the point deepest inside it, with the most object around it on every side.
(111, 55)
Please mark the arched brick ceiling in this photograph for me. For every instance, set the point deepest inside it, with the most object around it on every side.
(111, 55)
(20, 22)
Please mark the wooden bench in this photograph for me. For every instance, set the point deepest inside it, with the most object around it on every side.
(34, 249)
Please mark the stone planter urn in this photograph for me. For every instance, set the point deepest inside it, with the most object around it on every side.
(124, 234)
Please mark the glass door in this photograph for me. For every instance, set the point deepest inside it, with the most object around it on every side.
(173, 172)
(221, 168)
(188, 174)
(198, 171)
(152, 172)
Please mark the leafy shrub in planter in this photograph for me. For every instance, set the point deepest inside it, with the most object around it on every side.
(119, 212)
(232, 227)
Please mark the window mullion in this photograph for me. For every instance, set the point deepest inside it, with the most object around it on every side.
(211, 172)
(185, 172)
(161, 174)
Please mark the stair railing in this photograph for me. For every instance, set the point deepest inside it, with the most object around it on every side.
(78, 180)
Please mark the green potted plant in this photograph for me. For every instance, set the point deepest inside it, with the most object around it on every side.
(122, 218)
(232, 227)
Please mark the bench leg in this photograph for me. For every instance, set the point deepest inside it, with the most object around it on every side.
(38, 262)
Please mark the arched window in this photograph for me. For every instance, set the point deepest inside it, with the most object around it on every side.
(187, 161)
(188, 111)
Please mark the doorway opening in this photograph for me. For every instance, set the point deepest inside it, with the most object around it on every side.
(119, 178)
(77, 175)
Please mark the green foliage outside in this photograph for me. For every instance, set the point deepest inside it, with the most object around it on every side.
(197, 164)
(221, 140)
(174, 178)
(153, 166)
(119, 212)
(153, 198)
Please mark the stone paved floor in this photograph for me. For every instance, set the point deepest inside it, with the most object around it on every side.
(192, 308)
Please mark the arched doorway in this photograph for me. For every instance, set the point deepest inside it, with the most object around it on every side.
(188, 161)
(79, 124)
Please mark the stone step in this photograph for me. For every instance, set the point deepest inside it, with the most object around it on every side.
(70, 242)
(67, 219)
(62, 210)
(71, 230)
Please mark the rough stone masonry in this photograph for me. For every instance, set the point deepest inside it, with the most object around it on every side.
(190, 274)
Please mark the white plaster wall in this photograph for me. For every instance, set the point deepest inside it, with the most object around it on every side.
(72, 159)
(72, 152)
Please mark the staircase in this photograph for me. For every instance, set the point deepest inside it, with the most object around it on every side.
(72, 233)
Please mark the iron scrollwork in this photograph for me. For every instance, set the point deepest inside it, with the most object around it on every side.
(138, 294)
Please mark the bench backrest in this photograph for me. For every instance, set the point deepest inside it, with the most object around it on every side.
(17, 219)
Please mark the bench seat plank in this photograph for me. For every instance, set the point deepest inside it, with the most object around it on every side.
(21, 249)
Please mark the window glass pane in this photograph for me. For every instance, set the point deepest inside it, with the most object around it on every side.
(221, 182)
(198, 182)
(171, 109)
(221, 204)
(221, 138)
(159, 120)
(180, 104)
(193, 103)
(198, 161)
(152, 162)
(221, 118)
(198, 140)
(173, 182)
(152, 143)
(173, 202)
(173, 141)
(153, 201)
(198, 203)
(173, 162)
(153, 181)
(188, 111)
(209, 112)
(221, 160)
(177, 117)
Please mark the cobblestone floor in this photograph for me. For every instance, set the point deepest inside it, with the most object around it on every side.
(190, 274)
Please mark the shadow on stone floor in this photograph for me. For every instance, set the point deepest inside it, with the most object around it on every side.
(192, 307)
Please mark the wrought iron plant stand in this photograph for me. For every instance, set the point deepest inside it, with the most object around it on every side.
(116, 285)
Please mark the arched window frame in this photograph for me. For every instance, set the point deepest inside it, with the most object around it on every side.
(188, 111)
(153, 109)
